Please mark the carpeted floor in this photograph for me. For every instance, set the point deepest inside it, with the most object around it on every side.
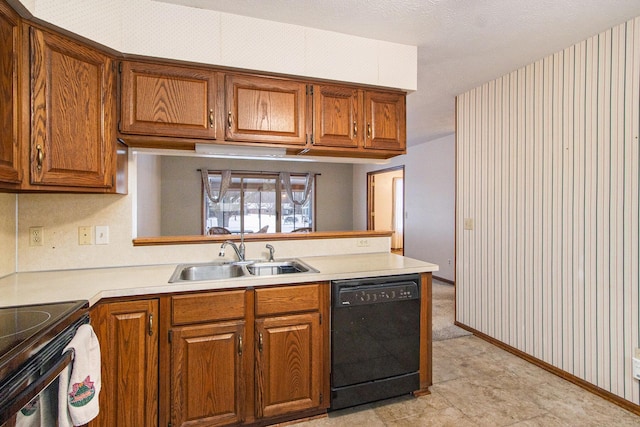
(444, 312)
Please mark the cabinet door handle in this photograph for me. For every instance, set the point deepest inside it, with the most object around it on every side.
(260, 342)
(39, 156)
(369, 130)
(240, 346)
(355, 129)
(229, 120)
(211, 118)
(150, 324)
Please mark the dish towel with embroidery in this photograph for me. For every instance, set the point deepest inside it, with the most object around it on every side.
(80, 382)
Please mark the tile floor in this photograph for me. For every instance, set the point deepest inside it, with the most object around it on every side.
(478, 384)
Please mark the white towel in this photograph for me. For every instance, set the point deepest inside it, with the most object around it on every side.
(30, 415)
(80, 383)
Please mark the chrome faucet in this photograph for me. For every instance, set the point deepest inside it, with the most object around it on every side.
(239, 250)
(271, 251)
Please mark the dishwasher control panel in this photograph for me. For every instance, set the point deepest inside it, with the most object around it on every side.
(375, 294)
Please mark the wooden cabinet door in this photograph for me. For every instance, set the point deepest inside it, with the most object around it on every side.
(385, 121)
(163, 100)
(9, 49)
(72, 104)
(289, 353)
(128, 338)
(262, 109)
(206, 374)
(337, 116)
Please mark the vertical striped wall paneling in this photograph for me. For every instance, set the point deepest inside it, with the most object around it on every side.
(547, 169)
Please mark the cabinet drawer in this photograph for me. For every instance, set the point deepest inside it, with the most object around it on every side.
(207, 307)
(287, 299)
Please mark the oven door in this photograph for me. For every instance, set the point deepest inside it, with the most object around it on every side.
(35, 401)
(29, 395)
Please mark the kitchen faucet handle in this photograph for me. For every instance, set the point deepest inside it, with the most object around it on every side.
(271, 251)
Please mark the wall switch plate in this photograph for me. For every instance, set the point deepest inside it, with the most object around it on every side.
(636, 363)
(36, 236)
(468, 223)
(85, 235)
(102, 234)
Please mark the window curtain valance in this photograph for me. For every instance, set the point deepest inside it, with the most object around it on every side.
(224, 184)
(285, 178)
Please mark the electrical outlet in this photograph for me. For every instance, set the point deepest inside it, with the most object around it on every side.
(85, 235)
(449, 261)
(102, 234)
(36, 236)
(363, 243)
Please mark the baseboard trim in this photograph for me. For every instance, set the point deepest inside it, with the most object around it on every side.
(442, 279)
(607, 395)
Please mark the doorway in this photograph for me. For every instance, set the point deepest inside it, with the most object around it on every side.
(385, 204)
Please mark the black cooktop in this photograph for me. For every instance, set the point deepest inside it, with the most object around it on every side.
(26, 329)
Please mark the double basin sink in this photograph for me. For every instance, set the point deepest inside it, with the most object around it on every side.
(229, 270)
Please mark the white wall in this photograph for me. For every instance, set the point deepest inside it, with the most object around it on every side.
(548, 163)
(7, 234)
(429, 201)
(149, 197)
(146, 27)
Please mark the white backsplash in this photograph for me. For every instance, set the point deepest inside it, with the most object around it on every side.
(7, 234)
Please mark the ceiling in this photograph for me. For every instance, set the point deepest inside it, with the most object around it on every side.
(461, 43)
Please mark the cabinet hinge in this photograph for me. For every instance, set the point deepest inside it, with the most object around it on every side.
(170, 336)
(119, 128)
(321, 397)
(309, 89)
(321, 318)
(311, 139)
(120, 67)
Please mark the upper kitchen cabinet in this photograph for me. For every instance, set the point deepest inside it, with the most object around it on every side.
(337, 116)
(10, 171)
(72, 92)
(385, 120)
(168, 101)
(262, 109)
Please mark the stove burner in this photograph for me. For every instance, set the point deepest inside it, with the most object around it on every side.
(20, 322)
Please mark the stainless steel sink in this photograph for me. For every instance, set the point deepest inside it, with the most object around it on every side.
(229, 270)
(210, 271)
(271, 268)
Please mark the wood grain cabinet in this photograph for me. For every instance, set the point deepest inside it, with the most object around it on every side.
(164, 100)
(72, 91)
(241, 357)
(10, 168)
(289, 350)
(268, 110)
(385, 121)
(207, 352)
(359, 120)
(128, 336)
(337, 116)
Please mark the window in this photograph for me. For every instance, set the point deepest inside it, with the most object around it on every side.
(257, 202)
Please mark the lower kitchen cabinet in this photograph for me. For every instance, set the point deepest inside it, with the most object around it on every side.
(288, 364)
(247, 356)
(128, 338)
(207, 374)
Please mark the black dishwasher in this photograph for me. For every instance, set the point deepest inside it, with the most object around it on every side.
(375, 339)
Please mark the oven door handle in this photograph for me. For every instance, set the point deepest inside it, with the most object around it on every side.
(33, 389)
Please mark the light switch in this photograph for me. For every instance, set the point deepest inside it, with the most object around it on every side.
(102, 234)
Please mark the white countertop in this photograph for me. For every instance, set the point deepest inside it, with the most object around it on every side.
(95, 284)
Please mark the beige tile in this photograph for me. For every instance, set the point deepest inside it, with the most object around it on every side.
(447, 417)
